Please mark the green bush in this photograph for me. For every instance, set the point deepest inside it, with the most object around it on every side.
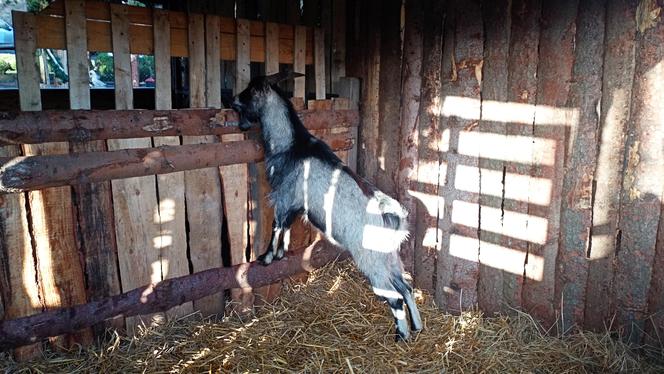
(5, 66)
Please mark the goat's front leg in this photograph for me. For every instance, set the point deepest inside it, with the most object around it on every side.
(270, 253)
(280, 241)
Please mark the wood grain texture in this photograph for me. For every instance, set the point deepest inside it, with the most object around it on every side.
(203, 187)
(576, 216)
(457, 267)
(643, 184)
(299, 60)
(554, 72)
(319, 62)
(172, 241)
(617, 83)
(429, 162)
(59, 271)
(94, 205)
(271, 48)
(409, 127)
(134, 199)
(338, 47)
(496, 16)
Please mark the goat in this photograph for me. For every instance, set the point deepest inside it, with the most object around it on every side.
(309, 180)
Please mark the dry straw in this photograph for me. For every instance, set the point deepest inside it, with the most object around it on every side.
(333, 324)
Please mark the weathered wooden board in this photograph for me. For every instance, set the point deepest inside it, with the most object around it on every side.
(496, 16)
(59, 271)
(338, 44)
(389, 96)
(427, 242)
(51, 27)
(643, 181)
(172, 241)
(134, 199)
(319, 62)
(300, 50)
(202, 187)
(409, 128)
(617, 83)
(576, 216)
(457, 267)
(94, 205)
(554, 71)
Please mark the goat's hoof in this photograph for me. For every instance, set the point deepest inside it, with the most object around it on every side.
(401, 337)
(265, 259)
(280, 254)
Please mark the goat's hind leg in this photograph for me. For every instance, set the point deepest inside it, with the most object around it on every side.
(395, 300)
(407, 292)
(271, 252)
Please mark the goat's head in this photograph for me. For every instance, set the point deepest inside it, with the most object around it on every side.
(250, 103)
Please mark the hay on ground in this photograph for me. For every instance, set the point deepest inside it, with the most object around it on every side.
(334, 324)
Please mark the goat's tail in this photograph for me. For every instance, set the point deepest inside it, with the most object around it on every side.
(395, 216)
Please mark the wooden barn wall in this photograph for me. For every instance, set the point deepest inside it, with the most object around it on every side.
(527, 139)
(63, 246)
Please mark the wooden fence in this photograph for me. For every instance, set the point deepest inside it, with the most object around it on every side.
(96, 203)
(531, 144)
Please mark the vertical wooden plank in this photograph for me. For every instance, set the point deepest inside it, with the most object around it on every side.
(203, 186)
(556, 58)
(319, 61)
(497, 26)
(427, 243)
(655, 323)
(389, 100)
(617, 84)
(521, 89)
(94, 204)
(643, 178)
(368, 154)
(409, 127)
(300, 49)
(172, 239)
(349, 90)
(212, 61)
(271, 48)
(134, 199)
(338, 55)
(235, 178)
(17, 269)
(458, 268)
(576, 219)
(59, 273)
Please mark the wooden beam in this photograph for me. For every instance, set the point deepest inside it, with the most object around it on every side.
(299, 61)
(157, 297)
(319, 63)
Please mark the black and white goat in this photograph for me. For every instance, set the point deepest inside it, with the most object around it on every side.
(308, 179)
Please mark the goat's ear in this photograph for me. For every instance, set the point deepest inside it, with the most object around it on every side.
(282, 76)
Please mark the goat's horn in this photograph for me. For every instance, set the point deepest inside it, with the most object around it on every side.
(282, 76)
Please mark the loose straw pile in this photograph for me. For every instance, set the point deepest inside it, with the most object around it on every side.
(333, 324)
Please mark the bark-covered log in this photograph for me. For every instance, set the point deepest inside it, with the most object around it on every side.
(164, 295)
(84, 125)
(27, 173)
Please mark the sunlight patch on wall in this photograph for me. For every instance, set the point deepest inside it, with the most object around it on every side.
(518, 186)
(517, 148)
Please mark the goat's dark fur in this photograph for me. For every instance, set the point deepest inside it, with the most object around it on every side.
(308, 179)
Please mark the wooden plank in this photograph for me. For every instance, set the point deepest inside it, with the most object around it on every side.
(643, 180)
(338, 53)
(457, 267)
(271, 48)
(235, 177)
(554, 71)
(576, 216)
(212, 61)
(655, 323)
(134, 199)
(94, 206)
(172, 242)
(350, 92)
(497, 27)
(428, 171)
(409, 128)
(522, 89)
(617, 85)
(59, 274)
(203, 187)
(300, 49)
(319, 63)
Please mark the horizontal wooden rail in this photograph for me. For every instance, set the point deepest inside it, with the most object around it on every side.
(26, 173)
(84, 125)
(164, 295)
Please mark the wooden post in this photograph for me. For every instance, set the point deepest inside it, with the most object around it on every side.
(235, 178)
(409, 128)
(617, 83)
(338, 52)
(59, 273)
(94, 204)
(172, 240)
(497, 23)
(576, 217)
(299, 58)
(319, 62)
(18, 273)
(134, 199)
(457, 267)
(203, 187)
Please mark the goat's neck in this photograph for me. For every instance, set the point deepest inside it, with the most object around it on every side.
(278, 134)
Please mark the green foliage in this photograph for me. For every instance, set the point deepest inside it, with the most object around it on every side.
(5, 66)
(36, 5)
(103, 65)
(145, 67)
